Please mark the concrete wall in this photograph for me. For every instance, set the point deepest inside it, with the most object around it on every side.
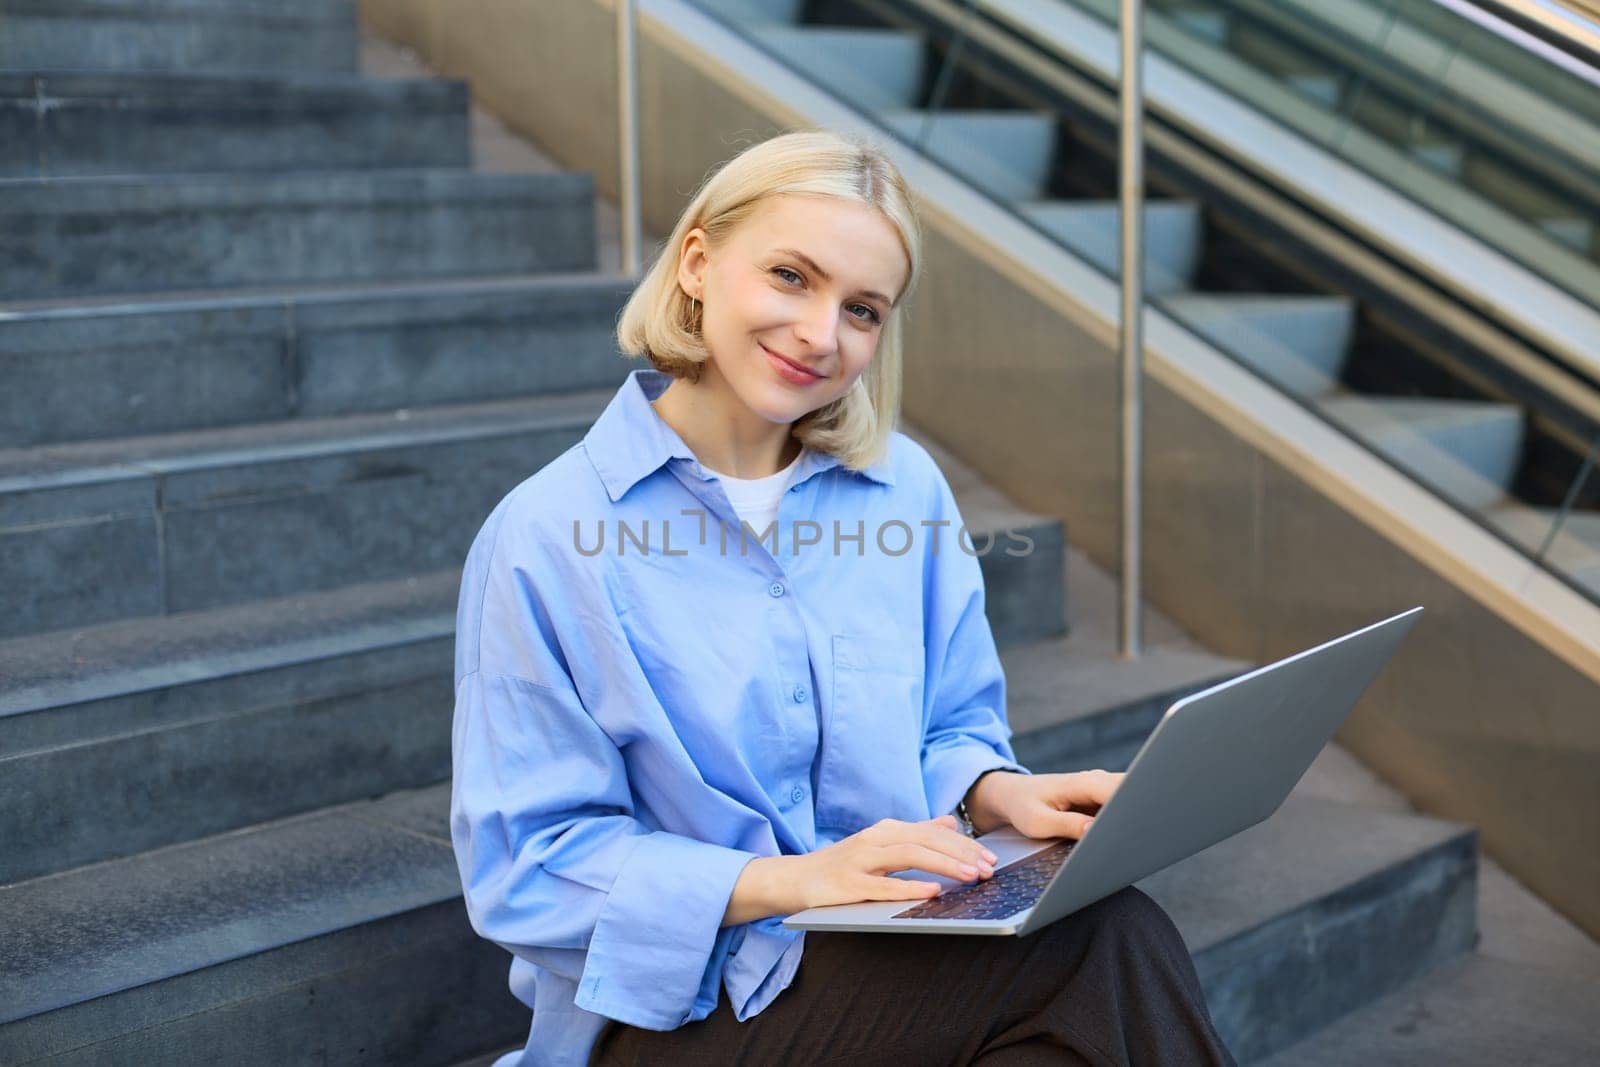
(1479, 718)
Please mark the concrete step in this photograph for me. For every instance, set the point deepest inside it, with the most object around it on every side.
(1007, 154)
(1093, 229)
(171, 949)
(1074, 702)
(185, 363)
(1317, 911)
(870, 68)
(1071, 699)
(185, 522)
(56, 123)
(346, 924)
(192, 36)
(1474, 1012)
(1025, 596)
(1298, 343)
(1077, 707)
(77, 236)
(1468, 450)
(145, 733)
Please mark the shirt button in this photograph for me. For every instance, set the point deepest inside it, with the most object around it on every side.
(776, 588)
(798, 795)
(800, 694)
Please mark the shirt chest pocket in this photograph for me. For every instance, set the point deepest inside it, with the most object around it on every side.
(871, 767)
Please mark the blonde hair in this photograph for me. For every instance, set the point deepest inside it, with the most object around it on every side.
(659, 320)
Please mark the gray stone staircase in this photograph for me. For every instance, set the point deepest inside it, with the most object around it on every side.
(77, 123)
(272, 350)
(148, 233)
(192, 36)
(198, 360)
(1474, 1010)
(236, 513)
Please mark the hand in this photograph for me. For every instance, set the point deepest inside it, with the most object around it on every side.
(1053, 805)
(857, 868)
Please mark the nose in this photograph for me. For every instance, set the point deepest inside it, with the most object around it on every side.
(818, 328)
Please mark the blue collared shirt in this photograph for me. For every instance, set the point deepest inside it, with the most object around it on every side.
(642, 708)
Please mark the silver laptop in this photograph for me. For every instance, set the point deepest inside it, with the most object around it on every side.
(1220, 761)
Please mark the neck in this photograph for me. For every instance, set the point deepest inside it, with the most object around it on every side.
(723, 434)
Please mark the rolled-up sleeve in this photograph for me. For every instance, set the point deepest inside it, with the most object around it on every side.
(967, 732)
(554, 864)
(552, 860)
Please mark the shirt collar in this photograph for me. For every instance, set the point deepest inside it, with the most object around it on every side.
(630, 440)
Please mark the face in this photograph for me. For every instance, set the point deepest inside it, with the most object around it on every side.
(794, 300)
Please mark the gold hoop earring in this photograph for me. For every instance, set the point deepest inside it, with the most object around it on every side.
(694, 315)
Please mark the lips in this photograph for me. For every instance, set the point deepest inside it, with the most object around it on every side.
(799, 367)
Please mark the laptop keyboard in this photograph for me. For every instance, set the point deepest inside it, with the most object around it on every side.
(1011, 889)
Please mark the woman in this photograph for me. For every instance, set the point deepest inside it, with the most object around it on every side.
(718, 663)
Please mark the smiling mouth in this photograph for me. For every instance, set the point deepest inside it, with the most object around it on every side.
(802, 369)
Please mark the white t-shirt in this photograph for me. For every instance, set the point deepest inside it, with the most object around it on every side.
(755, 500)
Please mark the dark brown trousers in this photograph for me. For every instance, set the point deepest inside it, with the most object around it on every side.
(1111, 984)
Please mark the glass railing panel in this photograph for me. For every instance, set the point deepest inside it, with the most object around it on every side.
(1563, 537)
(1503, 143)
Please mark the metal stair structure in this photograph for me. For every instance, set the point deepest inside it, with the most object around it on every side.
(1470, 449)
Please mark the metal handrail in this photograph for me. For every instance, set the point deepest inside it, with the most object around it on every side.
(1558, 27)
(628, 137)
(1130, 334)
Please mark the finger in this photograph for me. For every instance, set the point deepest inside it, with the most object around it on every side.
(910, 855)
(1082, 788)
(900, 889)
(1043, 821)
(1071, 824)
(947, 839)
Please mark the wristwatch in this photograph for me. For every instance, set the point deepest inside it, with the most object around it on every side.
(962, 815)
(964, 824)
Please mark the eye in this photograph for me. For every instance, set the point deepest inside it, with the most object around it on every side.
(869, 316)
(786, 274)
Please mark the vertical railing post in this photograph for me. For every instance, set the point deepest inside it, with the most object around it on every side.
(628, 136)
(1130, 195)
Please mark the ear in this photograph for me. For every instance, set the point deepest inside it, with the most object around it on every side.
(693, 259)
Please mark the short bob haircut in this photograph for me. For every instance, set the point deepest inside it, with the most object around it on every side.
(659, 320)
